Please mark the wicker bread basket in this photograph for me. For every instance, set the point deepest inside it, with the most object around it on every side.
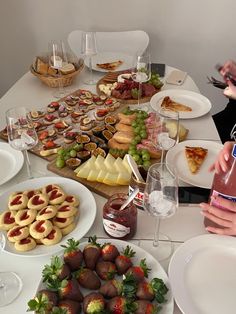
(62, 79)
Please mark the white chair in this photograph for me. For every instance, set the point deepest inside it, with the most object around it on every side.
(129, 42)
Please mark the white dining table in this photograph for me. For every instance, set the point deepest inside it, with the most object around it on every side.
(185, 224)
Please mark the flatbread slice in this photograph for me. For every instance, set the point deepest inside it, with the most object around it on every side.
(168, 103)
(195, 157)
(110, 66)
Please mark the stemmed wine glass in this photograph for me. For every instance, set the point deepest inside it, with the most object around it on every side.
(141, 72)
(21, 132)
(168, 135)
(161, 201)
(56, 58)
(10, 282)
(88, 50)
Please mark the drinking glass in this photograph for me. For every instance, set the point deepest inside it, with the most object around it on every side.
(168, 135)
(10, 282)
(161, 201)
(88, 50)
(56, 58)
(21, 132)
(141, 72)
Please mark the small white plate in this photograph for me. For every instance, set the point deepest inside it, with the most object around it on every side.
(156, 270)
(202, 275)
(11, 162)
(176, 157)
(87, 212)
(106, 57)
(200, 104)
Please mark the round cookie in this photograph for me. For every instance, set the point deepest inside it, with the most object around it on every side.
(40, 229)
(31, 193)
(48, 188)
(17, 233)
(62, 222)
(56, 196)
(68, 229)
(65, 211)
(47, 212)
(7, 220)
(54, 236)
(26, 244)
(71, 200)
(17, 202)
(25, 217)
(38, 201)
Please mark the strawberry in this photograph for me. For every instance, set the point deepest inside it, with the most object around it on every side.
(111, 288)
(146, 307)
(139, 272)
(123, 261)
(87, 278)
(72, 254)
(70, 306)
(57, 270)
(109, 252)
(49, 144)
(145, 291)
(43, 302)
(91, 253)
(106, 270)
(43, 135)
(69, 289)
(121, 305)
(93, 303)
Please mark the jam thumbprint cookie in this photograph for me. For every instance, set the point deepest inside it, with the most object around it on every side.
(53, 238)
(48, 188)
(17, 233)
(68, 229)
(62, 222)
(26, 244)
(40, 229)
(38, 201)
(47, 212)
(65, 211)
(71, 200)
(31, 193)
(25, 217)
(17, 202)
(7, 220)
(56, 197)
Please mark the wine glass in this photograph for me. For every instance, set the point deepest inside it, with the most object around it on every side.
(21, 132)
(88, 50)
(10, 282)
(168, 125)
(56, 58)
(141, 72)
(161, 201)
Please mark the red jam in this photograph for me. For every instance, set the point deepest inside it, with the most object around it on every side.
(24, 216)
(60, 219)
(69, 199)
(25, 241)
(15, 232)
(51, 235)
(64, 208)
(8, 219)
(16, 200)
(54, 195)
(39, 227)
(37, 200)
(30, 194)
(121, 224)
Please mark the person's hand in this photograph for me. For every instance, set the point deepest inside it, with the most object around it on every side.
(221, 163)
(228, 67)
(223, 217)
(230, 90)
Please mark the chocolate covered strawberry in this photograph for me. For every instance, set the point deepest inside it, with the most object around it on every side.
(109, 252)
(146, 307)
(72, 254)
(57, 270)
(145, 291)
(123, 261)
(111, 289)
(70, 306)
(91, 253)
(87, 278)
(106, 270)
(43, 302)
(93, 303)
(121, 305)
(67, 289)
(139, 272)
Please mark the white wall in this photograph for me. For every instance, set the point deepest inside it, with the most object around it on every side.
(192, 35)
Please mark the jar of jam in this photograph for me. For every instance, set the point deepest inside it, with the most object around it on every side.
(138, 200)
(121, 224)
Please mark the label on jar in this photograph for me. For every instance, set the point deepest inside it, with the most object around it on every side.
(114, 229)
(138, 200)
(228, 197)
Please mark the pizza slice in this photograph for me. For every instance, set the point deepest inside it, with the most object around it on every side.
(195, 157)
(168, 103)
(110, 66)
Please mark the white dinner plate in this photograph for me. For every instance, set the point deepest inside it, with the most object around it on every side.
(87, 212)
(11, 162)
(156, 270)
(176, 157)
(200, 104)
(105, 57)
(202, 275)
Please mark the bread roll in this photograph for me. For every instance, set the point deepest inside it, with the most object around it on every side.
(126, 119)
(67, 68)
(41, 67)
(124, 127)
(123, 137)
(112, 143)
